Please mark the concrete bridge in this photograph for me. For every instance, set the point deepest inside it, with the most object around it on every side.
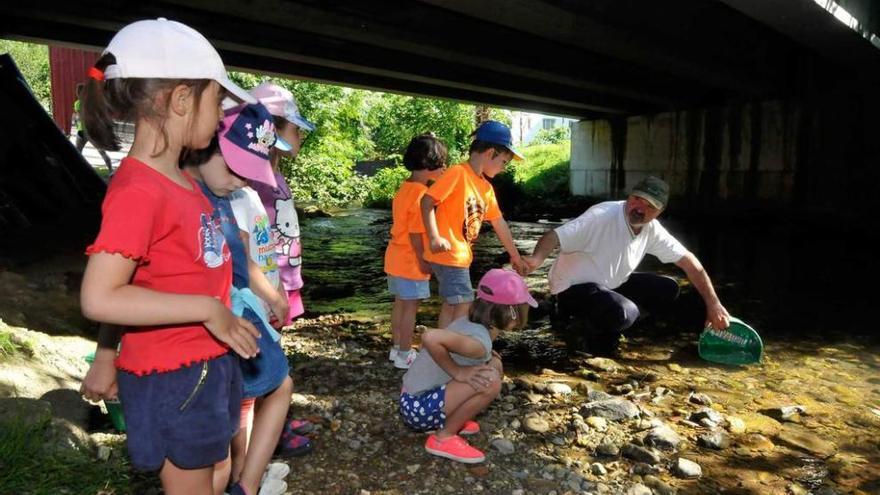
(736, 102)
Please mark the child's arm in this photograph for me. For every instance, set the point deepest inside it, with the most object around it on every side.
(436, 243)
(440, 343)
(502, 230)
(416, 241)
(100, 380)
(108, 296)
(261, 285)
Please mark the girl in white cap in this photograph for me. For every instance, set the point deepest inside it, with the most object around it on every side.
(160, 266)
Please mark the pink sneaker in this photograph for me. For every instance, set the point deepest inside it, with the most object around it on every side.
(470, 428)
(455, 448)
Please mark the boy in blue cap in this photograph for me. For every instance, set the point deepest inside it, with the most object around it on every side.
(454, 208)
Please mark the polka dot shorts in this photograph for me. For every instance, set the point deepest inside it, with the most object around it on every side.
(424, 412)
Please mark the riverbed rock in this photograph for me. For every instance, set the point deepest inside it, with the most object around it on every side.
(640, 454)
(717, 439)
(598, 423)
(504, 446)
(706, 413)
(559, 389)
(759, 423)
(797, 437)
(613, 409)
(602, 364)
(608, 449)
(657, 486)
(735, 425)
(701, 399)
(638, 489)
(687, 469)
(662, 437)
(535, 424)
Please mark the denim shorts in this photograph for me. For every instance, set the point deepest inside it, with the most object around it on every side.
(424, 411)
(408, 289)
(187, 416)
(454, 283)
(266, 371)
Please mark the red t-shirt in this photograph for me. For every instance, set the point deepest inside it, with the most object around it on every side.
(172, 234)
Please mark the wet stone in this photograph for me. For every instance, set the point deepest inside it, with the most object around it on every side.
(639, 489)
(706, 413)
(658, 486)
(663, 437)
(559, 389)
(598, 469)
(687, 469)
(735, 425)
(612, 409)
(608, 449)
(717, 440)
(795, 436)
(701, 399)
(504, 446)
(640, 454)
(600, 424)
(536, 424)
(602, 364)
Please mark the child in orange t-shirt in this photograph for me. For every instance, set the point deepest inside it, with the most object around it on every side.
(453, 210)
(408, 273)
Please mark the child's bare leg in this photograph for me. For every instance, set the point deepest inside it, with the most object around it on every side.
(452, 312)
(268, 423)
(463, 403)
(221, 475)
(396, 312)
(177, 481)
(409, 310)
(240, 440)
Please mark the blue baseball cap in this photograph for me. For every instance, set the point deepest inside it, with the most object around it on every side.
(495, 132)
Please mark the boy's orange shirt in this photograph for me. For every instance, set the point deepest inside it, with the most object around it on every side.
(400, 257)
(463, 201)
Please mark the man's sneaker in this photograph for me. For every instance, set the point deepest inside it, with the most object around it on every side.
(455, 448)
(273, 486)
(277, 471)
(404, 360)
(392, 353)
(470, 428)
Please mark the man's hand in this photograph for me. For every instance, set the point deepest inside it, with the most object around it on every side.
(717, 317)
(439, 245)
(100, 380)
(478, 377)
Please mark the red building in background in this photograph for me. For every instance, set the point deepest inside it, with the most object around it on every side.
(67, 68)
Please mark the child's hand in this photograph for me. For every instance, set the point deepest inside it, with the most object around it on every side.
(478, 377)
(519, 265)
(280, 307)
(439, 245)
(236, 332)
(100, 380)
(531, 263)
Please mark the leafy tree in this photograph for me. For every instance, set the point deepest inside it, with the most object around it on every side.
(33, 62)
(555, 135)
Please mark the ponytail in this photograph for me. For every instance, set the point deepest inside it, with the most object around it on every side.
(96, 111)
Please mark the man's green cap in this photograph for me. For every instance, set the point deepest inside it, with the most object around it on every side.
(652, 189)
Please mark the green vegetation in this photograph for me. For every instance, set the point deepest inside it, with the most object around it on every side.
(555, 135)
(384, 185)
(30, 463)
(544, 172)
(11, 345)
(33, 62)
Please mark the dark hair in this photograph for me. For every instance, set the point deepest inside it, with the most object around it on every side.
(496, 315)
(194, 158)
(425, 152)
(478, 146)
(129, 99)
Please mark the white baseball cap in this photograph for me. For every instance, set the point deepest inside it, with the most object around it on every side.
(163, 49)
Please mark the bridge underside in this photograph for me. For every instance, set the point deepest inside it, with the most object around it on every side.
(594, 59)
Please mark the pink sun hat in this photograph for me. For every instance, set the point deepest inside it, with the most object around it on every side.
(246, 137)
(281, 102)
(504, 287)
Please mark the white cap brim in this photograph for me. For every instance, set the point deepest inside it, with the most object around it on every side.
(236, 91)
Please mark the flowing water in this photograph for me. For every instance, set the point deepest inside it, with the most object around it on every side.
(820, 353)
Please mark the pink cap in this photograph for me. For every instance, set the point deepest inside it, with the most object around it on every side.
(281, 102)
(246, 136)
(504, 287)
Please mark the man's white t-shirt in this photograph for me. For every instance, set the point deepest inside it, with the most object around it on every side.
(600, 247)
(250, 215)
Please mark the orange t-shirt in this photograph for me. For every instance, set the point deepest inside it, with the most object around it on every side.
(400, 257)
(463, 201)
